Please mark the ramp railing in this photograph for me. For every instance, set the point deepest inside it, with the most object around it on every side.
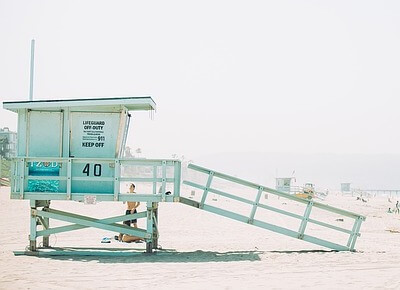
(303, 220)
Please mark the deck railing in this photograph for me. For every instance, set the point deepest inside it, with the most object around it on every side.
(52, 178)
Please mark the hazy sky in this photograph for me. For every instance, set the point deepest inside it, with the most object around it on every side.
(261, 76)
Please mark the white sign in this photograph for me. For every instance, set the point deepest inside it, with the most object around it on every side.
(94, 134)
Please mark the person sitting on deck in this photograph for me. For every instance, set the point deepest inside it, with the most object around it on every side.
(131, 209)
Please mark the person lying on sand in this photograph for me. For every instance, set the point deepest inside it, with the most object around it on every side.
(129, 239)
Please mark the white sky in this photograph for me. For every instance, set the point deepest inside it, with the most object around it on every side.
(261, 76)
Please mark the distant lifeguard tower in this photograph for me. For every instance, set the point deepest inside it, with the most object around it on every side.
(345, 187)
(283, 184)
(72, 150)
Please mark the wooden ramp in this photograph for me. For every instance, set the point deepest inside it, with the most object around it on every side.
(306, 226)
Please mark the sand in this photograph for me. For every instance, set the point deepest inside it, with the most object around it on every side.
(202, 250)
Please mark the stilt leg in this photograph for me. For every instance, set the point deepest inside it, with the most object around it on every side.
(149, 248)
(46, 226)
(33, 225)
(150, 225)
(155, 225)
(46, 242)
(32, 245)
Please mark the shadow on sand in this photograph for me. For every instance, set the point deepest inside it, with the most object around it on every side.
(119, 255)
(303, 251)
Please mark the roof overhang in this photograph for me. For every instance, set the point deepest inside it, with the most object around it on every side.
(130, 103)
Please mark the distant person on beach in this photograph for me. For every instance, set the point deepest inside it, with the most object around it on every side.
(397, 210)
(131, 209)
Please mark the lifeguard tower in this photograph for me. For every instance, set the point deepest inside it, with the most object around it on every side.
(72, 150)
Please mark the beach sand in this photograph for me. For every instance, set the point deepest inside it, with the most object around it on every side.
(202, 250)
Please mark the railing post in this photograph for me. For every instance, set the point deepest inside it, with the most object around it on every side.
(305, 219)
(209, 180)
(354, 233)
(21, 178)
(117, 175)
(164, 178)
(69, 178)
(155, 179)
(177, 178)
(255, 205)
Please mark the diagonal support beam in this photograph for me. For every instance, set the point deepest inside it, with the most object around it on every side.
(74, 227)
(41, 221)
(91, 222)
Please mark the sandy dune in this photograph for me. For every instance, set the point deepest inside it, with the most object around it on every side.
(202, 250)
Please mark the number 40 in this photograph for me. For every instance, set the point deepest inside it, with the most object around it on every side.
(96, 169)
